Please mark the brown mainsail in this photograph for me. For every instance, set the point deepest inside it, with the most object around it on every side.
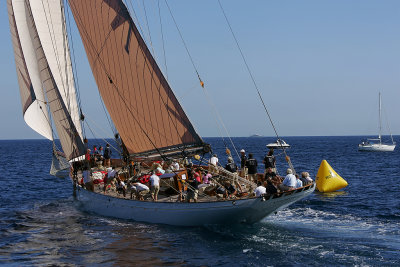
(141, 104)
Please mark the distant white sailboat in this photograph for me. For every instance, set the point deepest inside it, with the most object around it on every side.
(376, 144)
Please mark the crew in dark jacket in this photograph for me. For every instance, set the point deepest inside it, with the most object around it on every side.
(251, 165)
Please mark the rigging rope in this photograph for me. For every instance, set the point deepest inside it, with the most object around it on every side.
(255, 84)
(163, 42)
(136, 18)
(53, 135)
(101, 100)
(230, 175)
(154, 56)
(148, 42)
(65, 43)
(119, 93)
(211, 103)
(187, 50)
(148, 28)
(184, 44)
(66, 49)
(74, 67)
(93, 133)
(104, 132)
(52, 34)
(90, 129)
(387, 124)
(217, 118)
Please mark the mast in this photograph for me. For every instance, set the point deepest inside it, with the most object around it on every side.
(380, 120)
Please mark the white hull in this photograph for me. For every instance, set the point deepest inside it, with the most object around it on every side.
(376, 147)
(276, 146)
(189, 214)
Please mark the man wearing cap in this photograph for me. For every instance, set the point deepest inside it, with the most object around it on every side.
(290, 181)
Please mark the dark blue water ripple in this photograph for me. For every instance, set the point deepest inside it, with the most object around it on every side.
(40, 224)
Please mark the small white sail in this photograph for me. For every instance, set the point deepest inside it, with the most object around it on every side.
(31, 91)
(58, 163)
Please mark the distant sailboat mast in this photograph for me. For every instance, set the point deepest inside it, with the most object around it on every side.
(380, 120)
(375, 145)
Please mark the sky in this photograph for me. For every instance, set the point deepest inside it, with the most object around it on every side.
(319, 66)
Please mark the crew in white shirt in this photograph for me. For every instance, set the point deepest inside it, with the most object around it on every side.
(213, 164)
(260, 190)
(154, 185)
(140, 190)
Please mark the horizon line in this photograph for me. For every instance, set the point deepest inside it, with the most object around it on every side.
(261, 136)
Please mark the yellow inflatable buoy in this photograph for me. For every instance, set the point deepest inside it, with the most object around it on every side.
(327, 179)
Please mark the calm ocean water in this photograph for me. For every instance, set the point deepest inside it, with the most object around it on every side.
(41, 224)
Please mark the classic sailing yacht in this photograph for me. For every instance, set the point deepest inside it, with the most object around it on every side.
(152, 125)
(376, 144)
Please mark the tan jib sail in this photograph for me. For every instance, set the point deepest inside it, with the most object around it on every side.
(70, 139)
(32, 96)
(141, 104)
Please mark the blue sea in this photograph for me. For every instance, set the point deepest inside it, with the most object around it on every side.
(41, 224)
